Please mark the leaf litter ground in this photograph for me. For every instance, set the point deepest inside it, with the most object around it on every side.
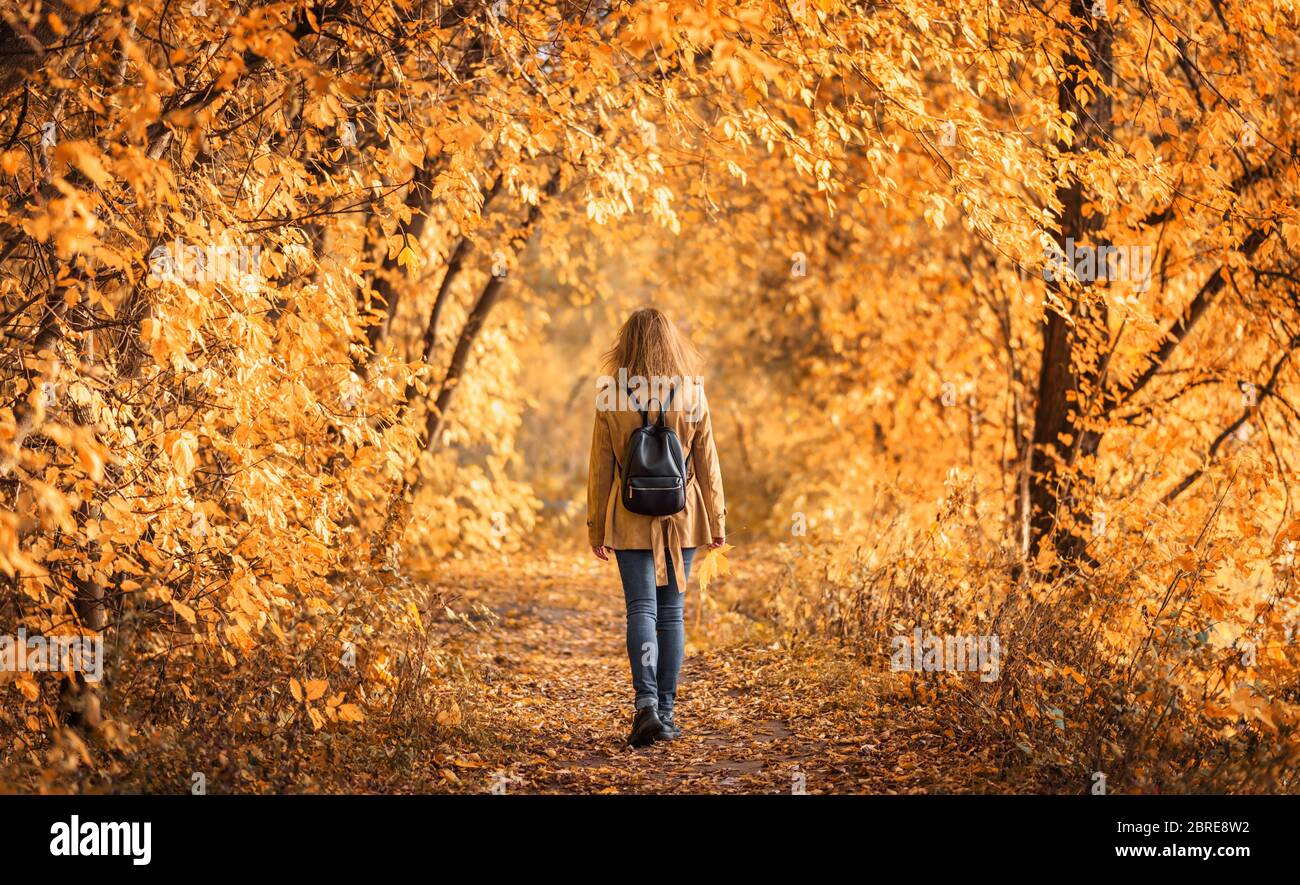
(547, 700)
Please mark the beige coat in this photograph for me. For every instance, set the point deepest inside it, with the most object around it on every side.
(610, 524)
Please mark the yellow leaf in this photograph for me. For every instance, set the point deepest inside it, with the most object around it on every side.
(295, 689)
(449, 716)
(27, 685)
(87, 158)
(184, 611)
(316, 688)
(408, 257)
(715, 565)
(90, 456)
(183, 456)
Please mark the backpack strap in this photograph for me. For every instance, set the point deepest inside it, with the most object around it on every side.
(631, 398)
(645, 413)
(663, 406)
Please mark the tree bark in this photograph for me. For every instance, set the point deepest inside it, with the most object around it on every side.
(1071, 358)
(418, 199)
(487, 300)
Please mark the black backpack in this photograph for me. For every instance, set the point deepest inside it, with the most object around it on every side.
(654, 469)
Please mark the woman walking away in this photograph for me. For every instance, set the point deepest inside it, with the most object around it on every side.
(654, 494)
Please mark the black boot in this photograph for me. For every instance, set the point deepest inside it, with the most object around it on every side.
(646, 728)
(671, 727)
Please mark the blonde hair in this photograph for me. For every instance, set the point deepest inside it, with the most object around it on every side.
(649, 345)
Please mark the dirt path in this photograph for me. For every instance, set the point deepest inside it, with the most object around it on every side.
(554, 704)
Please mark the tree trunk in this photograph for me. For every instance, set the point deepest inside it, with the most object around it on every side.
(487, 300)
(418, 199)
(1071, 359)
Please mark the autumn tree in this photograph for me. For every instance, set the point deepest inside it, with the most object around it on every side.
(270, 275)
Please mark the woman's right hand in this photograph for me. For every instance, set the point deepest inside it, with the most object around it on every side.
(602, 553)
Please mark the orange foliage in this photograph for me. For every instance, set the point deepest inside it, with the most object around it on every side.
(274, 278)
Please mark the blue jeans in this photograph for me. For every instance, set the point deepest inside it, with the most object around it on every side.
(656, 636)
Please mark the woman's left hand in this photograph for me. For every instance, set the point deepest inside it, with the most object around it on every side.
(717, 542)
